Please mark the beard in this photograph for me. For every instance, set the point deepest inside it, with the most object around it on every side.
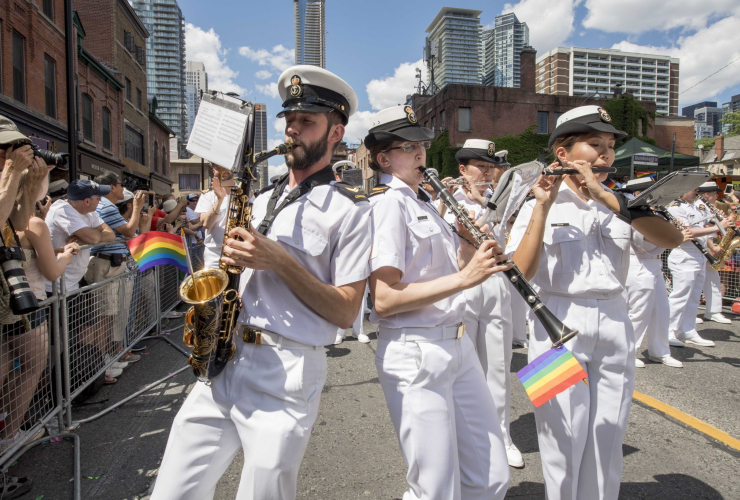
(312, 153)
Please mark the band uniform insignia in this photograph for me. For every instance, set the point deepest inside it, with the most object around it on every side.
(352, 192)
(379, 189)
(410, 115)
(295, 86)
(604, 116)
(702, 208)
(491, 150)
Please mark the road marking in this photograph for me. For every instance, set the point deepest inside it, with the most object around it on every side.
(687, 419)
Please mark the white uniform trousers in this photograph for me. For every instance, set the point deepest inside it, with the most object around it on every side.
(265, 402)
(519, 311)
(648, 305)
(443, 416)
(688, 270)
(580, 431)
(488, 322)
(712, 291)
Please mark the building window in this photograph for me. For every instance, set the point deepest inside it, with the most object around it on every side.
(128, 41)
(463, 119)
(87, 118)
(164, 161)
(128, 90)
(106, 129)
(442, 121)
(543, 119)
(134, 145)
(140, 55)
(138, 99)
(19, 67)
(434, 124)
(189, 182)
(50, 87)
(48, 8)
(155, 156)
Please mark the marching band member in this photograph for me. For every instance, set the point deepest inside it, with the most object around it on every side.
(431, 378)
(307, 265)
(573, 246)
(647, 294)
(712, 285)
(488, 318)
(688, 269)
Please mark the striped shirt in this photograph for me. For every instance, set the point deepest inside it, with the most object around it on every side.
(111, 216)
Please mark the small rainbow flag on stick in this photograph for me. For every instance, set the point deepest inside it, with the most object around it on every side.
(645, 173)
(157, 248)
(550, 374)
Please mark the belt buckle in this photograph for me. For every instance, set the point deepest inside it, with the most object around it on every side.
(460, 330)
(252, 336)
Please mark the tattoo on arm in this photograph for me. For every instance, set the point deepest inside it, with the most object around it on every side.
(529, 229)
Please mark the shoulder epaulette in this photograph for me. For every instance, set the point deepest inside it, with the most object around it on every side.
(379, 189)
(354, 193)
(678, 202)
(205, 191)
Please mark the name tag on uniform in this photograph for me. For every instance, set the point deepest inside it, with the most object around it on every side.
(560, 224)
(422, 217)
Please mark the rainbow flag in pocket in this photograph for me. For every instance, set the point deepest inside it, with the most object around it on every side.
(550, 374)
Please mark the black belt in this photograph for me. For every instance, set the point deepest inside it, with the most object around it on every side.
(116, 259)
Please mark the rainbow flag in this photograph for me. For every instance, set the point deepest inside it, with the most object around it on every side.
(645, 173)
(157, 248)
(550, 374)
(610, 184)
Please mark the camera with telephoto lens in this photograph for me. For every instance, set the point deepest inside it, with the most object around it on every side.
(57, 159)
(22, 299)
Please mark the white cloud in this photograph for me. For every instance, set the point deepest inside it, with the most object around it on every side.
(279, 58)
(639, 16)
(273, 170)
(358, 125)
(701, 54)
(263, 74)
(279, 125)
(392, 90)
(205, 46)
(550, 22)
(271, 90)
(273, 143)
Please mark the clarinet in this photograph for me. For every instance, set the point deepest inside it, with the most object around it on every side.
(681, 227)
(556, 330)
(719, 216)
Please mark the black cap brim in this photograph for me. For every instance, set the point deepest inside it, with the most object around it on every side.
(304, 107)
(473, 154)
(412, 133)
(713, 189)
(576, 127)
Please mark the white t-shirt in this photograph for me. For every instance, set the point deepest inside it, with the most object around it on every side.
(190, 215)
(214, 237)
(63, 221)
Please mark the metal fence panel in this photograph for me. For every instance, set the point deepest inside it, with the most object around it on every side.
(729, 275)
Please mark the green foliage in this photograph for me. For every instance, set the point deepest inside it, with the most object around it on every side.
(707, 142)
(442, 157)
(524, 147)
(629, 116)
(732, 119)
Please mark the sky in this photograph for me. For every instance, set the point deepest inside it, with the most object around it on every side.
(376, 45)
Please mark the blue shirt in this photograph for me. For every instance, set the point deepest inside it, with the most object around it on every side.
(111, 216)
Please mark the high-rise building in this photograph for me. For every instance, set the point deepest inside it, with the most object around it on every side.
(688, 111)
(730, 107)
(502, 45)
(455, 35)
(584, 72)
(310, 32)
(196, 82)
(707, 121)
(165, 61)
(260, 141)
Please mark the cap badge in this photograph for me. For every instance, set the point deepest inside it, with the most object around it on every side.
(491, 151)
(604, 116)
(295, 86)
(410, 115)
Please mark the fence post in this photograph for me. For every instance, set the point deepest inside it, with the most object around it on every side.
(157, 299)
(64, 330)
(122, 302)
(56, 353)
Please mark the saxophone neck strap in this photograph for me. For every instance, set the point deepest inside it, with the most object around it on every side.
(323, 176)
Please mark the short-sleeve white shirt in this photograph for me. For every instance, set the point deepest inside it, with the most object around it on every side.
(585, 251)
(214, 237)
(329, 235)
(692, 217)
(411, 236)
(63, 221)
(467, 203)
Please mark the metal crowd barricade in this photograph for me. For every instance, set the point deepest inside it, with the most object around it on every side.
(729, 275)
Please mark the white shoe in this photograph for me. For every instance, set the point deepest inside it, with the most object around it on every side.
(119, 364)
(667, 360)
(639, 363)
(113, 372)
(699, 341)
(363, 338)
(719, 318)
(514, 457)
(339, 339)
(173, 315)
(675, 342)
(699, 321)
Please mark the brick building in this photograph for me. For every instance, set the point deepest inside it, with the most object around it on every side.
(158, 144)
(665, 126)
(190, 174)
(33, 86)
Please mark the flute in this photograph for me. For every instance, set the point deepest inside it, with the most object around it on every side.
(556, 330)
(573, 171)
(462, 182)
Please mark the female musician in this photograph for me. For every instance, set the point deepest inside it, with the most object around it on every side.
(573, 246)
(432, 380)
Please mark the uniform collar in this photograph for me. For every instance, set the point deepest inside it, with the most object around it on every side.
(397, 184)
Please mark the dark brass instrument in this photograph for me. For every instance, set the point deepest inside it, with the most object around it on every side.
(214, 293)
(556, 330)
(730, 240)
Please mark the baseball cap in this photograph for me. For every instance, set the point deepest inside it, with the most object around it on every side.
(193, 196)
(127, 196)
(168, 206)
(57, 189)
(9, 132)
(81, 189)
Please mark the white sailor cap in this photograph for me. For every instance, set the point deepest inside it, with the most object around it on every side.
(311, 89)
(582, 120)
(633, 185)
(397, 123)
(343, 165)
(709, 187)
(478, 149)
(501, 158)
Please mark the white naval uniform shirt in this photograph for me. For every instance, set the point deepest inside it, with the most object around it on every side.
(692, 217)
(586, 248)
(329, 235)
(410, 235)
(467, 203)
(643, 249)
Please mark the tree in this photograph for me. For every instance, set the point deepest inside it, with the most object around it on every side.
(630, 116)
(733, 120)
(706, 142)
(523, 147)
(442, 157)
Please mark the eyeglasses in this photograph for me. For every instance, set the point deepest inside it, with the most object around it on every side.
(408, 148)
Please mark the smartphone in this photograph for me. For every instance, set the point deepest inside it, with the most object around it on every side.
(151, 199)
(729, 189)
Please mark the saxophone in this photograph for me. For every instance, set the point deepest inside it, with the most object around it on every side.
(730, 240)
(214, 293)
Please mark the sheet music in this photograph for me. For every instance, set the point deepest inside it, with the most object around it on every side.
(218, 131)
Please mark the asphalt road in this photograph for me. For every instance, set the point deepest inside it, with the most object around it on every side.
(353, 452)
